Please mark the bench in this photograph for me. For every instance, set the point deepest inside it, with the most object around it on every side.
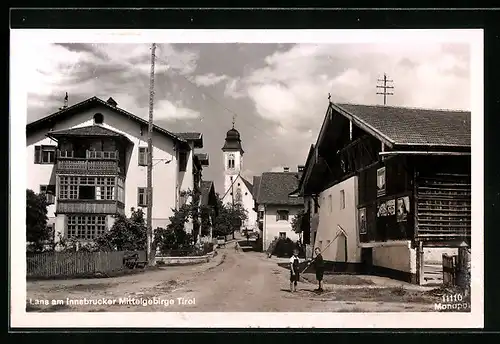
(132, 261)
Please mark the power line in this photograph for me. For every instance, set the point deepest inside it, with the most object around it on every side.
(385, 88)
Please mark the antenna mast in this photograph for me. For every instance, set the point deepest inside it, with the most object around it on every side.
(150, 253)
(385, 88)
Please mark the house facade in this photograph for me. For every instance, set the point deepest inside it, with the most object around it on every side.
(237, 189)
(91, 161)
(275, 206)
(397, 181)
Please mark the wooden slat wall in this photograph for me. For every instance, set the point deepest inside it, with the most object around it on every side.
(443, 206)
(75, 263)
(85, 207)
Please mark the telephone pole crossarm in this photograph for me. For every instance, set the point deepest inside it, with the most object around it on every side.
(385, 87)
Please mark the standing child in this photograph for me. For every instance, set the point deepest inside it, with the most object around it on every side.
(294, 270)
(319, 267)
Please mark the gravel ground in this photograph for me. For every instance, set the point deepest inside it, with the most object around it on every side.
(233, 281)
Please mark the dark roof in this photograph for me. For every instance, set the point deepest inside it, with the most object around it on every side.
(412, 126)
(205, 188)
(275, 188)
(203, 158)
(89, 103)
(248, 184)
(256, 185)
(232, 141)
(92, 130)
(197, 138)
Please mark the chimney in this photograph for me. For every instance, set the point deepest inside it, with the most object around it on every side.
(300, 168)
(286, 169)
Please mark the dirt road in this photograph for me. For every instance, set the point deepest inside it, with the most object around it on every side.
(231, 282)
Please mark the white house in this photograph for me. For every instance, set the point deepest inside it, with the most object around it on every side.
(276, 207)
(236, 188)
(91, 161)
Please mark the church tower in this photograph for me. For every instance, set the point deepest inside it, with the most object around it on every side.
(233, 161)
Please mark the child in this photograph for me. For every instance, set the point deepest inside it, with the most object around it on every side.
(294, 270)
(319, 267)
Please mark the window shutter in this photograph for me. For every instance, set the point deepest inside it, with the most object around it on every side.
(38, 154)
(277, 216)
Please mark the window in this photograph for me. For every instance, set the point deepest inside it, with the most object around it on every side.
(98, 118)
(330, 203)
(45, 154)
(143, 156)
(230, 161)
(342, 199)
(320, 245)
(283, 235)
(86, 227)
(282, 215)
(50, 193)
(142, 196)
(261, 214)
(183, 161)
(89, 188)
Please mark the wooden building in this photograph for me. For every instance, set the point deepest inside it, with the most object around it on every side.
(411, 172)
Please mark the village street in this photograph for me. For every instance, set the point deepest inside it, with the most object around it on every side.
(232, 282)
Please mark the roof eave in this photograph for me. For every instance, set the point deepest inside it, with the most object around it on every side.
(363, 125)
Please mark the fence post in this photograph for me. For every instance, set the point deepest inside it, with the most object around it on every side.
(463, 268)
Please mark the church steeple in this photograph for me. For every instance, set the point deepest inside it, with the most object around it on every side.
(233, 141)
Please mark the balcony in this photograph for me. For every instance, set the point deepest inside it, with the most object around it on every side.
(78, 206)
(94, 163)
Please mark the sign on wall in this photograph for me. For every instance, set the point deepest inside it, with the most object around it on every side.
(381, 181)
(403, 208)
(391, 207)
(382, 209)
(362, 220)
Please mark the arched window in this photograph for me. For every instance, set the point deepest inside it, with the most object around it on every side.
(230, 161)
(98, 118)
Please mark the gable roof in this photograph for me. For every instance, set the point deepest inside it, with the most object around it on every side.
(197, 138)
(275, 187)
(91, 130)
(248, 185)
(255, 188)
(411, 126)
(205, 188)
(203, 158)
(92, 102)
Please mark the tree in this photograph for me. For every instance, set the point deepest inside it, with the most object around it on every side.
(174, 236)
(37, 232)
(127, 234)
(229, 218)
(297, 222)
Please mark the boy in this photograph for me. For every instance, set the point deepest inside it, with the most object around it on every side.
(294, 270)
(319, 267)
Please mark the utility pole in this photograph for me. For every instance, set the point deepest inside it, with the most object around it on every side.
(385, 88)
(232, 199)
(149, 221)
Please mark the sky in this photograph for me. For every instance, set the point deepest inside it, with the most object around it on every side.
(277, 93)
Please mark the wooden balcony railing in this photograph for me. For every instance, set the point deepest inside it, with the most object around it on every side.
(77, 206)
(97, 167)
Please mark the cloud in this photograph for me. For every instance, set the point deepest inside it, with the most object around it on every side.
(104, 70)
(209, 79)
(291, 89)
(167, 110)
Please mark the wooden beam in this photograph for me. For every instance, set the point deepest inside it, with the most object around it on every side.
(424, 153)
